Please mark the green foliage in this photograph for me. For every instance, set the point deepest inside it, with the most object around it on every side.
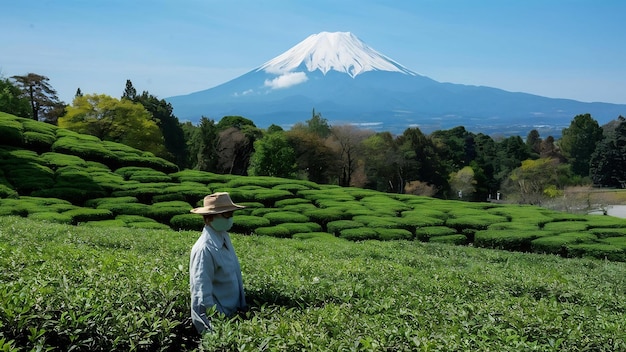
(425, 233)
(386, 234)
(450, 239)
(558, 244)
(246, 224)
(192, 222)
(309, 293)
(273, 157)
(164, 211)
(80, 215)
(359, 234)
(278, 217)
(515, 240)
(335, 227)
(273, 231)
(597, 250)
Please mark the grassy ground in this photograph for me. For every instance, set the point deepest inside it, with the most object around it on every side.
(84, 288)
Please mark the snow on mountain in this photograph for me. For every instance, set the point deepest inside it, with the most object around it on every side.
(326, 51)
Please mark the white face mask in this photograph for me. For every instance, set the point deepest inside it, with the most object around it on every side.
(222, 224)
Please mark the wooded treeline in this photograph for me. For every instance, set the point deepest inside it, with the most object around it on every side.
(453, 163)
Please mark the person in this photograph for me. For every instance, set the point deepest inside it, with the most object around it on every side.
(214, 270)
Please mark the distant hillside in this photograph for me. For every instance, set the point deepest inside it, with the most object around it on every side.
(53, 174)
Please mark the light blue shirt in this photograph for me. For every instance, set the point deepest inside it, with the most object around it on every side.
(214, 277)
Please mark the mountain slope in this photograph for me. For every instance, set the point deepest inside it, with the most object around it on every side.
(350, 82)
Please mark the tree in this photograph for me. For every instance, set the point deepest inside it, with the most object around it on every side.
(578, 142)
(533, 180)
(45, 105)
(463, 182)
(273, 156)
(113, 120)
(346, 141)
(79, 93)
(533, 141)
(130, 92)
(318, 125)
(427, 166)
(202, 144)
(12, 101)
(163, 115)
(608, 162)
(316, 161)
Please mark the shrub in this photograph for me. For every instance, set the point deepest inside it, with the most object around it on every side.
(566, 226)
(314, 236)
(608, 232)
(190, 222)
(11, 132)
(416, 221)
(57, 160)
(301, 227)
(125, 208)
(79, 215)
(596, 250)
(277, 217)
(376, 221)
(246, 224)
(557, 244)
(335, 227)
(474, 221)
(105, 223)
(385, 204)
(291, 201)
(422, 211)
(292, 187)
(148, 225)
(30, 177)
(458, 240)
(387, 234)
(164, 211)
(325, 215)
(197, 176)
(299, 208)
(96, 202)
(514, 225)
(425, 233)
(359, 234)
(74, 194)
(38, 141)
(50, 216)
(273, 231)
(512, 240)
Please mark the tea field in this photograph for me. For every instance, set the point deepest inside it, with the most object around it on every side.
(85, 288)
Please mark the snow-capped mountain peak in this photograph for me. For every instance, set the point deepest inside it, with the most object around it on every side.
(339, 51)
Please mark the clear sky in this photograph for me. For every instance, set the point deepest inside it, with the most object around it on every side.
(556, 48)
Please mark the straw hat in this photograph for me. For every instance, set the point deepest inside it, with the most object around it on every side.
(217, 203)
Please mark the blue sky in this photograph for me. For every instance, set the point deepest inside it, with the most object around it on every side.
(563, 49)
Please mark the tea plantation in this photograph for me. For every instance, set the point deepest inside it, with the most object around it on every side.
(95, 238)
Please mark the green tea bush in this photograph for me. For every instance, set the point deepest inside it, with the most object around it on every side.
(335, 227)
(79, 215)
(190, 222)
(299, 208)
(601, 232)
(30, 177)
(246, 224)
(513, 240)
(616, 241)
(566, 226)
(603, 251)
(291, 201)
(11, 131)
(421, 211)
(514, 225)
(425, 233)
(279, 217)
(387, 234)
(382, 204)
(58, 160)
(71, 193)
(604, 221)
(110, 223)
(314, 236)
(51, 216)
(293, 187)
(414, 220)
(326, 215)
(164, 211)
(359, 234)
(37, 141)
(143, 191)
(301, 227)
(278, 231)
(558, 244)
(152, 225)
(125, 208)
(197, 176)
(376, 221)
(474, 221)
(458, 240)
(150, 176)
(269, 196)
(96, 202)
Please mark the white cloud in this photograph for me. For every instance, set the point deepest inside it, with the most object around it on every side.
(287, 80)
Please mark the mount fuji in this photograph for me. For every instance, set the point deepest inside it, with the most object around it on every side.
(349, 82)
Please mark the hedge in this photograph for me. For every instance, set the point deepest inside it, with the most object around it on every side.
(359, 234)
(566, 226)
(278, 217)
(273, 231)
(291, 201)
(477, 221)
(335, 227)
(77, 194)
(458, 240)
(190, 222)
(557, 244)
(30, 177)
(164, 211)
(513, 240)
(596, 250)
(301, 227)
(386, 234)
(314, 236)
(246, 224)
(51, 216)
(325, 215)
(88, 214)
(11, 132)
(424, 234)
(96, 202)
(125, 208)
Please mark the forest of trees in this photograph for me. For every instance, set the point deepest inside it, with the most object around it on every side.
(453, 163)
